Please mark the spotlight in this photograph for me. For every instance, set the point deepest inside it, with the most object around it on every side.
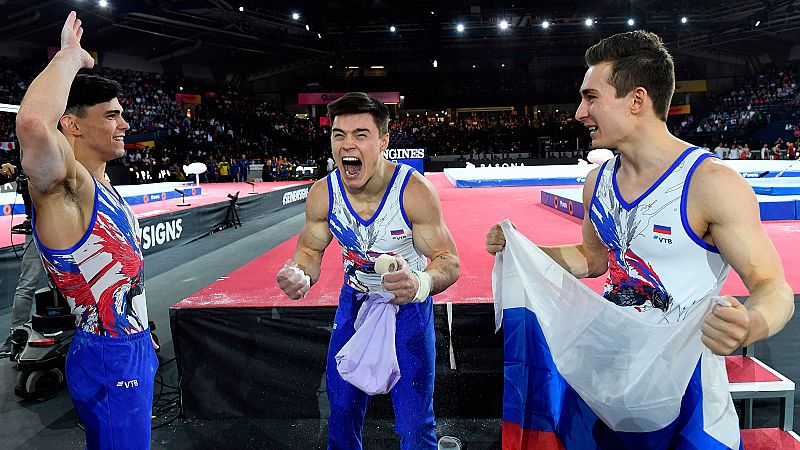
(503, 65)
(473, 66)
(319, 35)
(545, 24)
(503, 24)
(460, 28)
(588, 22)
(435, 63)
(392, 29)
(684, 19)
(758, 22)
(631, 22)
(295, 16)
(308, 28)
(241, 9)
(180, 88)
(102, 3)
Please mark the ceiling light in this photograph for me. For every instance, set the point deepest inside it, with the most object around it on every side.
(545, 24)
(631, 22)
(460, 27)
(588, 22)
(684, 19)
(295, 16)
(503, 24)
(392, 29)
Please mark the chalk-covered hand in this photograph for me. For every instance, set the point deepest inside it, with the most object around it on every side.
(293, 281)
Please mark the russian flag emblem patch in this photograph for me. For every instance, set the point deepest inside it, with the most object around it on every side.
(662, 229)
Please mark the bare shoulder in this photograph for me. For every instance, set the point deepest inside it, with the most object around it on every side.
(318, 200)
(420, 198)
(720, 191)
(713, 176)
(589, 184)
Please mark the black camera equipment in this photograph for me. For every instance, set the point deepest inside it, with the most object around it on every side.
(232, 215)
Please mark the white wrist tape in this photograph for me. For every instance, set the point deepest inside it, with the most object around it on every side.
(425, 284)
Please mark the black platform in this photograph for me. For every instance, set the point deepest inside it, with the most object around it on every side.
(270, 363)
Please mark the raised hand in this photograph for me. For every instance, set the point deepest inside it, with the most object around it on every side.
(71, 38)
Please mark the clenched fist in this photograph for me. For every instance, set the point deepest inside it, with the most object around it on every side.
(293, 281)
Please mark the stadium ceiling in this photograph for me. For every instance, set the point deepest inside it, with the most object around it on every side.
(260, 35)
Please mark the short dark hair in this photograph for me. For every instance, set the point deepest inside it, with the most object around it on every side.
(359, 103)
(638, 58)
(89, 90)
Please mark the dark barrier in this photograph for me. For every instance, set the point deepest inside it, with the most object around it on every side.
(170, 230)
(270, 362)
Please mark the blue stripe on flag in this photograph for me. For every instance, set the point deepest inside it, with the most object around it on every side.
(537, 398)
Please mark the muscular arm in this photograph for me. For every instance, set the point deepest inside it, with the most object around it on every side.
(315, 235)
(431, 236)
(587, 259)
(48, 158)
(735, 228)
(590, 257)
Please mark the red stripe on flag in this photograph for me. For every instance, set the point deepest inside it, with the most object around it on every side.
(517, 438)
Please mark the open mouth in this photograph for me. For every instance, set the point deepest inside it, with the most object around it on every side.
(351, 166)
(119, 138)
(592, 131)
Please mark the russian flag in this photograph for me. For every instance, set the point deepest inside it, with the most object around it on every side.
(397, 232)
(661, 229)
(582, 373)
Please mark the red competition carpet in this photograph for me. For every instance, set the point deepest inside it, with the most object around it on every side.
(469, 213)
